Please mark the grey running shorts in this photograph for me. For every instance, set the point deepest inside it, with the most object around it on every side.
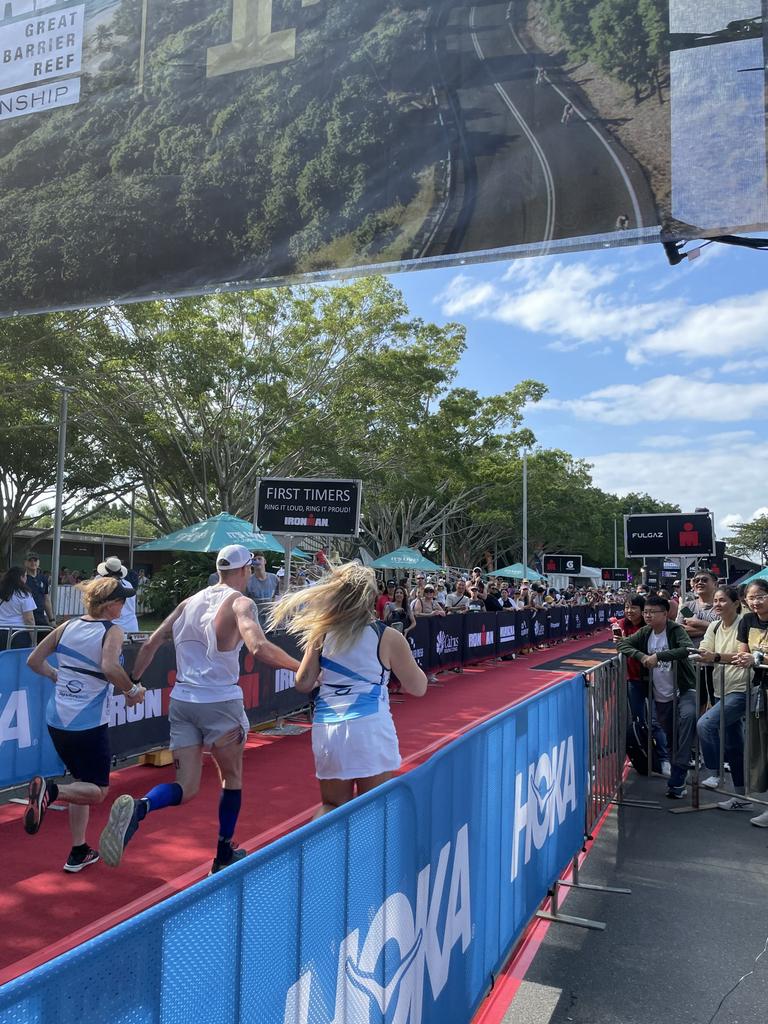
(195, 725)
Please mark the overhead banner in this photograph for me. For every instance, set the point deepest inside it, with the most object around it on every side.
(150, 148)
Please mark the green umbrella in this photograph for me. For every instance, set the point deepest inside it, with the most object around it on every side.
(214, 534)
(518, 571)
(404, 558)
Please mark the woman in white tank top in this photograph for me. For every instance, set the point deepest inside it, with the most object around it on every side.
(349, 655)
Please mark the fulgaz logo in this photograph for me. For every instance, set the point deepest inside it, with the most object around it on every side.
(549, 791)
(506, 634)
(14, 720)
(361, 992)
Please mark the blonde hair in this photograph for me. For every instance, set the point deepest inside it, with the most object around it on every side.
(98, 592)
(343, 604)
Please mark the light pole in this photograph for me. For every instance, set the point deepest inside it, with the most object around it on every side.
(525, 509)
(57, 513)
(615, 543)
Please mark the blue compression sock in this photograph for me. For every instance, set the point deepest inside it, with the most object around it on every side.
(167, 794)
(229, 808)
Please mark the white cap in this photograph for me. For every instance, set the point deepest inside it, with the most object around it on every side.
(233, 556)
(112, 566)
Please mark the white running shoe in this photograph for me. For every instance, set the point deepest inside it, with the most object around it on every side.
(713, 782)
(736, 803)
(666, 769)
(761, 820)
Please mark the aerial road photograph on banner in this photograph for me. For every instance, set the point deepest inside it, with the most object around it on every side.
(150, 149)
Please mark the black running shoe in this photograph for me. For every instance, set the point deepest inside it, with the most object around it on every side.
(77, 861)
(219, 865)
(121, 825)
(39, 797)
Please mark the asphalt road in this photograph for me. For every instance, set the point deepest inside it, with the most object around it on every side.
(526, 177)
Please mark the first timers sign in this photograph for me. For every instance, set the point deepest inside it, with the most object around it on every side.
(305, 507)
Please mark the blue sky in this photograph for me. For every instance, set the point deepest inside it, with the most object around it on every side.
(657, 375)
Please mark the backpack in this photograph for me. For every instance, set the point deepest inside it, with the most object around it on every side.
(637, 747)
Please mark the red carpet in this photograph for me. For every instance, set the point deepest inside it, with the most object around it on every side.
(52, 911)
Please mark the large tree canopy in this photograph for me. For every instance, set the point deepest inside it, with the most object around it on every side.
(190, 401)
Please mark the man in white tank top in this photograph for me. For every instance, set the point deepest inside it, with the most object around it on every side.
(206, 706)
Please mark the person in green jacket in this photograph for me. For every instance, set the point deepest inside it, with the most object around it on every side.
(657, 645)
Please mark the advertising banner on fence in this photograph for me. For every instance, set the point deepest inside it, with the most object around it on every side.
(480, 636)
(153, 148)
(399, 907)
(26, 748)
(447, 641)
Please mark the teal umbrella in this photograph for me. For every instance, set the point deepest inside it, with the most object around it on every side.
(296, 552)
(404, 558)
(762, 575)
(518, 571)
(214, 534)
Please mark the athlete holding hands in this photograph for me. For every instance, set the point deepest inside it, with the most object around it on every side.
(206, 705)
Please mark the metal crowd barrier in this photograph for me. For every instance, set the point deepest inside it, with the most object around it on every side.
(21, 637)
(606, 686)
(606, 720)
(753, 711)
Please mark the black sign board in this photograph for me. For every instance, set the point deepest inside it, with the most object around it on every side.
(304, 507)
(715, 564)
(564, 565)
(615, 575)
(675, 533)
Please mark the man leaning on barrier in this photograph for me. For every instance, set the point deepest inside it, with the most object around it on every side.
(656, 645)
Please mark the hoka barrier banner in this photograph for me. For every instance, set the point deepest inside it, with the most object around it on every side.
(150, 147)
(397, 908)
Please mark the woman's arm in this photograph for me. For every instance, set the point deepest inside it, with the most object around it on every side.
(309, 670)
(37, 659)
(29, 618)
(396, 650)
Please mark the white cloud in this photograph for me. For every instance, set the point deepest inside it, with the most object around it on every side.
(698, 477)
(572, 302)
(717, 329)
(462, 295)
(726, 524)
(664, 441)
(662, 397)
(745, 365)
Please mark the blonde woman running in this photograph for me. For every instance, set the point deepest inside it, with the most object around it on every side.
(349, 655)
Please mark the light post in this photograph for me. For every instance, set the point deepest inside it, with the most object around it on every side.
(525, 509)
(58, 511)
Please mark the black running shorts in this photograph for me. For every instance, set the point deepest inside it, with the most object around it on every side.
(85, 752)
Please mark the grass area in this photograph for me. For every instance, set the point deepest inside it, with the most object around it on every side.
(148, 623)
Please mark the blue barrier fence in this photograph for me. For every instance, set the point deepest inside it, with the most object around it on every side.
(439, 643)
(396, 908)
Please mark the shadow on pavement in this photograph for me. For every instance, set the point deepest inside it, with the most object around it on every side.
(694, 924)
